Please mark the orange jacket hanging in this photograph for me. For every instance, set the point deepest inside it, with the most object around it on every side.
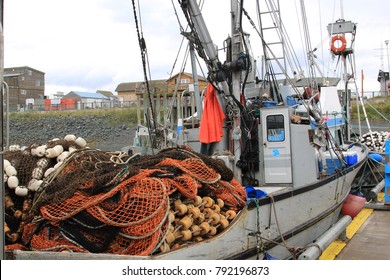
(212, 118)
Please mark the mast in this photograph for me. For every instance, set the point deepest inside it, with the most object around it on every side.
(227, 76)
(338, 31)
(198, 100)
(2, 239)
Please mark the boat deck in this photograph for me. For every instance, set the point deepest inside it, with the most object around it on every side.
(368, 238)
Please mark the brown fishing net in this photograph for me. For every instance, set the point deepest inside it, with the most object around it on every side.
(103, 202)
(90, 171)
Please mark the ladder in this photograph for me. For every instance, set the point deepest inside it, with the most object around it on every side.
(272, 32)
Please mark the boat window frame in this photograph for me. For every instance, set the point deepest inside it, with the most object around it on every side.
(276, 133)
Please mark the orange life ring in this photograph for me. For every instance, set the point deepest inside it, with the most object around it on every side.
(343, 45)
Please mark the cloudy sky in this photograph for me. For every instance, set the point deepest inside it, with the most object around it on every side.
(92, 45)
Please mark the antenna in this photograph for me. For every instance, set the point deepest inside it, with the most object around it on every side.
(382, 55)
(387, 54)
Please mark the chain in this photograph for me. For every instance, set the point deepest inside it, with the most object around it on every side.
(142, 46)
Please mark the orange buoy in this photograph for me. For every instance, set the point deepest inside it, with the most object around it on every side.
(352, 205)
(338, 47)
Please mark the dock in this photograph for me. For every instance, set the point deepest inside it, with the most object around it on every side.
(367, 238)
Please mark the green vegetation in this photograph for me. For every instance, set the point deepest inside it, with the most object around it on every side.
(380, 107)
(118, 115)
(129, 115)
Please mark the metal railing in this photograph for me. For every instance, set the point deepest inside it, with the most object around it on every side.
(71, 107)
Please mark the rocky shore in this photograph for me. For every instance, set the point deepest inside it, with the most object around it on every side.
(95, 129)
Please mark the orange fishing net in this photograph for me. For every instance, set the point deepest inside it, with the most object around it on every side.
(95, 204)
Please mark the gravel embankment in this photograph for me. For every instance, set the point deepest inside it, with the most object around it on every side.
(96, 130)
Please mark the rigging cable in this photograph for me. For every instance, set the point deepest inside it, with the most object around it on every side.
(142, 45)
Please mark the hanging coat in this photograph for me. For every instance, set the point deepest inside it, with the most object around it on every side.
(212, 118)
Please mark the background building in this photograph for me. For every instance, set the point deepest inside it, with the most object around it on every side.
(26, 87)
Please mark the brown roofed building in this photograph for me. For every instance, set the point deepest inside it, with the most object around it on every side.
(127, 92)
(25, 83)
(183, 81)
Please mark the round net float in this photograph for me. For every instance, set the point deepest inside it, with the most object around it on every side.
(49, 171)
(34, 184)
(197, 200)
(51, 153)
(214, 219)
(170, 237)
(230, 214)
(12, 182)
(177, 202)
(181, 209)
(189, 206)
(186, 222)
(165, 248)
(175, 246)
(207, 201)
(21, 191)
(205, 227)
(220, 203)
(72, 149)
(200, 219)
(212, 231)
(59, 149)
(207, 212)
(186, 235)
(40, 151)
(10, 171)
(177, 234)
(171, 216)
(216, 208)
(194, 212)
(223, 223)
(70, 137)
(57, 165)
(62, 156)
(6, 163)
(198, 239)
(81, 142)
(195, 229)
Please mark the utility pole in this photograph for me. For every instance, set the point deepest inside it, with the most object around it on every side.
(387, 88)
(2, 235)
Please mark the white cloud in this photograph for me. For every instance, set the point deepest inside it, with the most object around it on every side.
(92, 44)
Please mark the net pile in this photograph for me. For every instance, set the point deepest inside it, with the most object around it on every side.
(101, 202)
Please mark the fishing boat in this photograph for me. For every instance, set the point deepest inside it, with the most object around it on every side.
(265, 175)
(284, 138)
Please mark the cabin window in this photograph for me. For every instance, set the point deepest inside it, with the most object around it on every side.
(275, 128)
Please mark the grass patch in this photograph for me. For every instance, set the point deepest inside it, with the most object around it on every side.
(376, 108)
(118, 115)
